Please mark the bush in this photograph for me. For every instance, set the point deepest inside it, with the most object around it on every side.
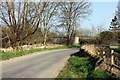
(87, 41)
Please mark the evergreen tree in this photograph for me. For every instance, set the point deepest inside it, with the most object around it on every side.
(115, 24)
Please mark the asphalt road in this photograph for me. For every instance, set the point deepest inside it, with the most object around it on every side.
(46, 64)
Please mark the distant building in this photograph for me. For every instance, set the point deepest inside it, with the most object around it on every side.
(60, 40)
(63, 40)
(76, 40)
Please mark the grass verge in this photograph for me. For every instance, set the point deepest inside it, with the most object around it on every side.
(117, 50)
(82, 66)
(9, 55)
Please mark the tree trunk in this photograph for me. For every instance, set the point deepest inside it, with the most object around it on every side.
(68, 39)
(45, 39)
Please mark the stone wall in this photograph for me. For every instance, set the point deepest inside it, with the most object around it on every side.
(106, 59)
(28, 47)
(91, 49)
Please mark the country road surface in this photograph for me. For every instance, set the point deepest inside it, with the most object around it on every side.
(46, 64)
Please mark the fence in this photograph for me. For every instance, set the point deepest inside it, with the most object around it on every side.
(108, 59)
(111, 60)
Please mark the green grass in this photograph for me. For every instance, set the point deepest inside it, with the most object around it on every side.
(101, 74)
(77, 67)
(82, 67)
(117, 50)
(9, 55)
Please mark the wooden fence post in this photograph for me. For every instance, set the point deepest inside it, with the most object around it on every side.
(112, 57)
(98, 53)
(104, 54)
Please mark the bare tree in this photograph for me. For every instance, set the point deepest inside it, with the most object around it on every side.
(71, 14)
(97, 29)
(86, 32)
(21, 19)
(48, 17)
